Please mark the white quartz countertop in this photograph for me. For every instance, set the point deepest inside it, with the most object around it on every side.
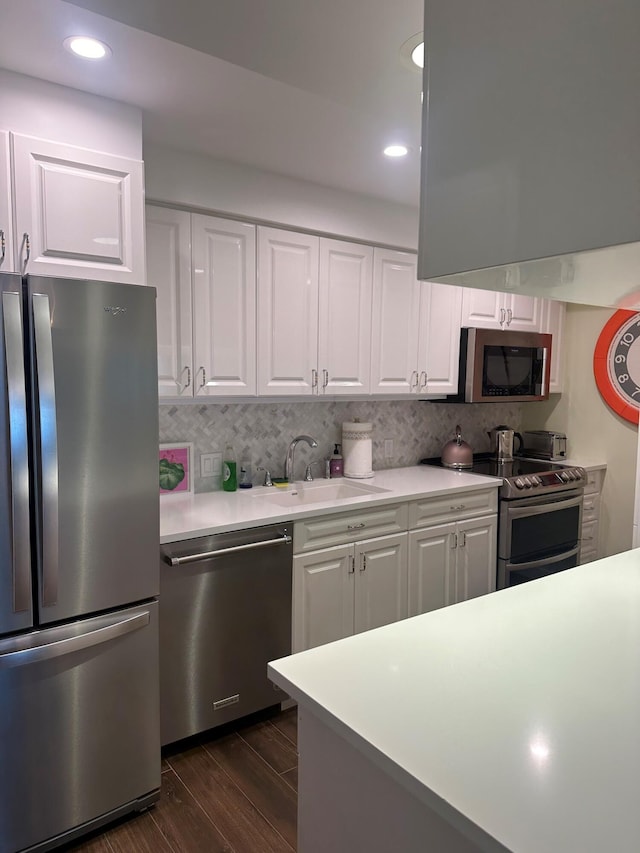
(517, 713)
(189, 516)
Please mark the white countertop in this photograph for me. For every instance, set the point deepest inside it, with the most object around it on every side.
(188, 516)
(518, 712)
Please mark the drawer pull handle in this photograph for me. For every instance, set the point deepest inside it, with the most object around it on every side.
(458, 506)
(356, 526)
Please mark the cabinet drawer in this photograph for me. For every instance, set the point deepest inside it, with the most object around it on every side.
(588, 555)
(328, 530)
(594, 481)
(591, 507)
(427, 511)
(589, 537)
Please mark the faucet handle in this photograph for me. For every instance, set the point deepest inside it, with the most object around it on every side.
(307, 474)
(267, 477)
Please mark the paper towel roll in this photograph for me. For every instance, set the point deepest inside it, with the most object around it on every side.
(357, 450)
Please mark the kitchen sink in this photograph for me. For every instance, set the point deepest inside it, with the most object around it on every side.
(301, 494)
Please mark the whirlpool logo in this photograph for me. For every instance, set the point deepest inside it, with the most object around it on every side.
(114, 310)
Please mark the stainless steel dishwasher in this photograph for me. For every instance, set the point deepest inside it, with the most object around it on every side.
(225, 611)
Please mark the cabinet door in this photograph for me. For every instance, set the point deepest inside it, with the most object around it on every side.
(523, 313)
(79, 213)
(475, 557)
(553, 319)
(344, 331)
(6, 220)
(482, 309)
(395, 323)
(287, 312)
(439, 341)
(169, 271)
(431, 568)
(224, 306)
(323, 596)
(381, 581)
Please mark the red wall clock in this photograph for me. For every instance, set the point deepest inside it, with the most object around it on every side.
(616, 364)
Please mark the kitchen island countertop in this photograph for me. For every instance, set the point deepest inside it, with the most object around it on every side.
(513, 716)
(189, 516)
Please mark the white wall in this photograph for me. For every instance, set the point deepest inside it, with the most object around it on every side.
(594, 431)
(37, 108)
(194, 180)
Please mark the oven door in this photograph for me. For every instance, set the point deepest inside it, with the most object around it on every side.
(538, 536)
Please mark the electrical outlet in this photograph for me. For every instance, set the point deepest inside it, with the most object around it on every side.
(388, 448)
(210, 464)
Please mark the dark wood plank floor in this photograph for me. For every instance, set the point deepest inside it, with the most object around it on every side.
(231, 790)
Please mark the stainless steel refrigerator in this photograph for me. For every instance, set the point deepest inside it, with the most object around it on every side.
(79, 533)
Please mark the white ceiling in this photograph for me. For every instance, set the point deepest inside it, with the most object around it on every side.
(313, 89)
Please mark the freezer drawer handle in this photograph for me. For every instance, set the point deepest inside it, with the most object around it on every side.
(47, 651)
(19, 479)
(205, 555)
(48, 446)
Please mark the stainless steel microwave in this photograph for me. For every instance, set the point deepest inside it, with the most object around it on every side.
(498, 365)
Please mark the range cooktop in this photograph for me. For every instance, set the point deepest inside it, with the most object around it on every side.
(522, 476)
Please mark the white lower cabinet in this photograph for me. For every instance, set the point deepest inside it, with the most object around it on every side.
(347, 589)
(451, 562)
(589, 536)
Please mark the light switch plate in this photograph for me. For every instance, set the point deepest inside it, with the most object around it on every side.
(210, 464)
(388, 448)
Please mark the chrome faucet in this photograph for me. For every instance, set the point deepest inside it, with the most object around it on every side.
(288, 462)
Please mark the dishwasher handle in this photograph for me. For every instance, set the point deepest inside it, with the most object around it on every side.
(235, 549)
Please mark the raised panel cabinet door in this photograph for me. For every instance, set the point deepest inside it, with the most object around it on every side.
(381, 581)
(439, 343)
(553, 320)
(344, 326)
(482, 309)
(431, 568)
(287, 312)
(78, 213)
(169, 271)
(395, 323)
(6, 213)
(323, 596)
(524, 313)
(476, 557)
(224, 306)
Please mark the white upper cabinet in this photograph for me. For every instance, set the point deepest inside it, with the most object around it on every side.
(169, 271)
(78, 213)
(491, 309)
(6, 224)
(287, 312)
(224, 306)
(415, 329)
(344, 328)
(553, 320)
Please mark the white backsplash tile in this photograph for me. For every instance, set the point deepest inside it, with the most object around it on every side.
(260, 432)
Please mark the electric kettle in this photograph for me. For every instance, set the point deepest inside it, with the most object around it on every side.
(502, 440)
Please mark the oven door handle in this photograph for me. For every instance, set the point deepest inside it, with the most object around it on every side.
(545, 561)
(545, 506)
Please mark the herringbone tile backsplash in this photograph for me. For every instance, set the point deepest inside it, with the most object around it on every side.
(261, 431)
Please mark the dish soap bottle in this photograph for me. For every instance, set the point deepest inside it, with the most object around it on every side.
(229, 470)
(336, 464)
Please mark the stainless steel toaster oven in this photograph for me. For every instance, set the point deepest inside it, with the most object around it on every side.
(544, 444)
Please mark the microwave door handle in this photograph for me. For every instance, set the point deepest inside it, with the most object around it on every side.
(18, 458)
(48, 446)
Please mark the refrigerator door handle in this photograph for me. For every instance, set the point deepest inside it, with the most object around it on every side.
(19, 462)
(48, 446)
(47, 650)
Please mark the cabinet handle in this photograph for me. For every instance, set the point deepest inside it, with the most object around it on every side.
(356, 526)
(509, 316)
(502, 316)
(314, 378)
(364, 563)
(325, 378)
(463, 539)
(456, 507)
(413, 384)
(454, 541)
(3, 246)
(204, 377)
(188, 382)
(352, 564)
(423, 381)
(26, 242)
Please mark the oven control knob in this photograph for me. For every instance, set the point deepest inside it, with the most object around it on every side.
(527, 483)
(571, 474)
(519, 484)
(536, 480)
(564, 476)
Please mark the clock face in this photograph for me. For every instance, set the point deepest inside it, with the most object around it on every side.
(616, 364)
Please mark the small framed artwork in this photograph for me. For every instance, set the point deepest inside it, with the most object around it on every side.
(176, 468)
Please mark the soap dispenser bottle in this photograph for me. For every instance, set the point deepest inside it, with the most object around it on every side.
(229, 470)
(336, 464)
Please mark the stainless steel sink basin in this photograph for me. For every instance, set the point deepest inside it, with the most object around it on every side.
(301, 494)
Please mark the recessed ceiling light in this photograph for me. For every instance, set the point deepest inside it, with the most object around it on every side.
(412, 52)
(396, 150)
(87, 48)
